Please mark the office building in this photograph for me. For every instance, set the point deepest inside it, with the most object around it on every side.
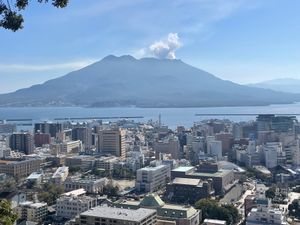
(84, 134)
(188, 190)
(84, 162)
(71, 204)
(20, 168)
(223, 180)
(166, 213)
(90, 185)
(104, 215)
(112, 142)
(152, 178)
(48, 128)
(169, 145)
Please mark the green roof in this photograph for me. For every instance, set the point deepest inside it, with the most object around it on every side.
(152, 200)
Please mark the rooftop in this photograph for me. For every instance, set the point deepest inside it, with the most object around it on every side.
(119, 214)
(186, 181)
(221, 222)
(183, 169)
(152, 168)
(76, 192)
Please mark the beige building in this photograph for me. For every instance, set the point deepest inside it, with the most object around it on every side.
(20, 168)
(92, 186)
(30, 211)
(66, 147)
(104, 215)
(112, 142)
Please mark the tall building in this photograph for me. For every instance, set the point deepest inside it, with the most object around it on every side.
(169, 145)
(152, 178)
(22, 142)
(84, 134)
(214, 148)
(41, 139)
(48, 128)
(112, 142)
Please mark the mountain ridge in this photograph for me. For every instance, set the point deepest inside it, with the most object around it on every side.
(287, 84)
(146, 82)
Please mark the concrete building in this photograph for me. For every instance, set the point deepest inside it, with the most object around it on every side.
(60, 175)
(22, 142)
(223, 180)
(71, 204)
(84, 134)
(188, 190)
(214, 147)
(93, 186)
(106, 163)
(152, 178)
(264, 213)
(48, 128)
(273, 154)
(167, 214)
(66, 147)
(85, 162)
(34, 179)
(112, 142)
(41, 139)
(20, 168)
(169, 145)
(31, 211)
(227, 141)
(104, 215)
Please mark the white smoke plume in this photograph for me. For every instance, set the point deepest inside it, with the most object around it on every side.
(166, 48)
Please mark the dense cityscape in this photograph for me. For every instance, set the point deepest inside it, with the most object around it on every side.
(127, 172)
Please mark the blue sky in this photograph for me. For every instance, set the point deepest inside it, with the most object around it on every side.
(240, 40)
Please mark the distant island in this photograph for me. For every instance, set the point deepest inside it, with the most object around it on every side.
(148, 82)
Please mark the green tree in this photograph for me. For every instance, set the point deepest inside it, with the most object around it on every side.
(7, 216)
(50, 192)
(10, 12)
(270, 193)
(294, 208)
(212, 210)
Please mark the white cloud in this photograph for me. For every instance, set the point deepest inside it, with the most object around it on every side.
(162, 49)
(45, 67)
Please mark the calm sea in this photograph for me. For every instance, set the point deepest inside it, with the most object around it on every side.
(169, 116)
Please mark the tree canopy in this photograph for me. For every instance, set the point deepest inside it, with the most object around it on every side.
(212, 210)
(7, 216)
(11, 17)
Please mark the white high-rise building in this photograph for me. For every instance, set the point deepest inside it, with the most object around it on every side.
(214, 148)
(273, 154)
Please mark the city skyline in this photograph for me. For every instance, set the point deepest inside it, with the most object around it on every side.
(242, 41)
